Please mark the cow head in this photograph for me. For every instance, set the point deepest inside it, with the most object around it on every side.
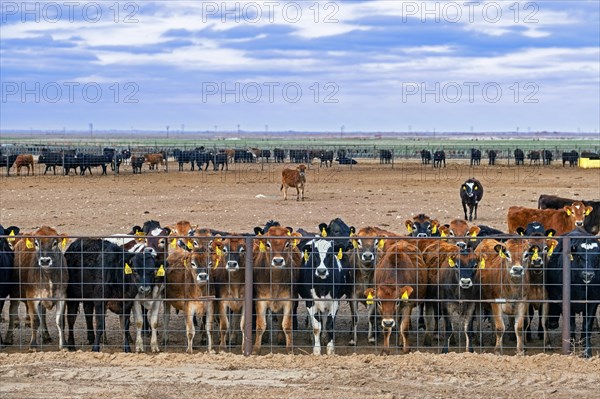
(321, 256)
(470, 188)
(460, 234)
(234, 250)
(585, 261)
(199, 262)
(141, 269)
(366, 245)
(278, 244)
(578, 211)
(422, 226)
(388, 299)
(519, 254)
(466, 264)
(302, 170)
(336, 228)
(10, 233)
(48, 246)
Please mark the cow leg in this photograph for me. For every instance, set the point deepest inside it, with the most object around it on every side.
(33, 309)
(261, 323)
(209, 309)
(476, 206)
(139, 326)
(285, 188)
(464, 205)
(190, 329)
(13, 316)
(45, 335)
(88, 310)
(498, 326)
(372, 321)
(100, 320)
(316, 327)
(330, 327)
(588, 322)
(404, 327)
(166, 320)
(520, 317)
(287, 325)
(72, 309)
(429, 313)
(60, 323)
(302, 192)
(297, 193)
(154, 326)
(543, 321)
(223, 325)
(468, 327)
(446, 325)
(125, 321)
(354, 315)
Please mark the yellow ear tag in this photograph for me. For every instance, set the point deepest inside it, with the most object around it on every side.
(128, 269)
(404, 296)
(550, 234)
(340, 254)
(380, 243)
(442, 233)
(571, 257)
(354, 244)
(63, 243)
(535, 255)
(482, 263)
(305, 255)
(218, 251)
(451, 262)
(370, 299)
(160, 272)
(12, 234)
(434, 229)
(587, 212)
(174, 243)
(189, 245)
(550, 251)
(289, 233)
(474, 234)
(409, 228)
(139, 233)
(216, 263)
(323, 233)
(295, 242)
(262, 247)
(569, 212)
(502, 254)
(28, 244)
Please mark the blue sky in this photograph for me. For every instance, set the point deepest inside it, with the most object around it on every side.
(301, 65)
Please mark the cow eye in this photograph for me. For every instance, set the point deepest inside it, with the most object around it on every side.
(225, 249)
(241, 250)
(194, 265)
(268, 244)
(37, 243)
(287, 244)
(162, 242)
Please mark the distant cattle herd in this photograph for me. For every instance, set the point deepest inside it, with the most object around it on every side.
(201, 158)
(444, 270)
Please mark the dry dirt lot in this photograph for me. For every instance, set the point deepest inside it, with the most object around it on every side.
(244, 197)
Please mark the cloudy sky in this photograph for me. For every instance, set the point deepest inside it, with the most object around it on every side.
(301, 65)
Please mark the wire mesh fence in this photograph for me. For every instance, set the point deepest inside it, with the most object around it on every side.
(283, 292)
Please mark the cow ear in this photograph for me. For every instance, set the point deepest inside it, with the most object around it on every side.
(551, 243)
(588, 210)
(568, 210)
(136, 229)
(323, 229)
(290, 230)
(380, 244)
(520, 231)
(258, 231)
(168, 230)
(550, 233)
(370, 295)
(474, 231)
(11, 231)
(64, 242)
(405, 292)
(352, 231)
(409, 225)
(500, 250)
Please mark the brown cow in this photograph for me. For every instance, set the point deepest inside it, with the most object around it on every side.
(293, 178)
(228, 264)
(24, 160)
(179, 232)
(155, 159)
(399, 284)
(276, 266)
(41, 271)
(459, 232)
(505, 283)
(188, 289)
(367, 246)
(561, 220)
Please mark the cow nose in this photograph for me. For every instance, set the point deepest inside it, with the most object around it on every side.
(278, 261)
(466, 283)
(579, 223)
(202, 277)
(461, 245)
(587, 277)
(388, 323)
(321, 272)
(144, 290)
(367, 256)
(421, 235)
(45, 261)
(516, 271)
(232, 265)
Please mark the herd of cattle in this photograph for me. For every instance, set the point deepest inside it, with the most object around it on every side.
(444, 270)
(201, 158)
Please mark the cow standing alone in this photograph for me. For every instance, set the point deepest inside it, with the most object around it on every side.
(294, 178)
(471, 193)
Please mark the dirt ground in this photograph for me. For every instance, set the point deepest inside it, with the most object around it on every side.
(247, 196)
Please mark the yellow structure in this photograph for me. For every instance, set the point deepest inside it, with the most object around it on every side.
(587, 163)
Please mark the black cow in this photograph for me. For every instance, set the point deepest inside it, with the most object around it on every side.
(89, 161)
(591, 223)
(203, 160)
(105, 277)
(471, 193)
(492, 154)
(126, 154)
(7, 161)
(70, 161)
(220, 159)
(279, 155)
(243, 156)
(425, 157)
(183, 157)
(51, 160)
(519, 157)
(299, 156)
(326, 157)
(534, 157)
(385, 156)
(460, 287)
(346, 161)
(439, 157)
(266, 154)
(337, 228)
(323, 281)
(571, 157)
(547, 157)
(6, 264)
(136, 163)
(475, 156)
(584, 252)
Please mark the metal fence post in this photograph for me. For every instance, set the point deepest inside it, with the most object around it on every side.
(248, 298)
(566, 296)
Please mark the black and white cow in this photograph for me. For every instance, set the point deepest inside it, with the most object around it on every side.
(322, 283)
(584, 253)
(471, 193)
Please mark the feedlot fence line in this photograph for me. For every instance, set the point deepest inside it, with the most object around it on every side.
(428, 298)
